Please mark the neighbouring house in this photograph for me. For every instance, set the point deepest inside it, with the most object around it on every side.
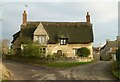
(96, 53)
(108, 51)
(55, 37)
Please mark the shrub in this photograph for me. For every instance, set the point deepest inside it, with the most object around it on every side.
(83, 52)
(11, 52)
(31, 50)
(50, 56)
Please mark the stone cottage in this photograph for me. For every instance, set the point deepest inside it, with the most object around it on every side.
(55, 37)
(108, 51)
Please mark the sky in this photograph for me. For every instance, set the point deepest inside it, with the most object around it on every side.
(104, 16)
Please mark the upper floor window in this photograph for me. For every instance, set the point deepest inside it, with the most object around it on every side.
(63, 41)
(41, 39)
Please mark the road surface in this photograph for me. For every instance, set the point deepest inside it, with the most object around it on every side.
(100, 70)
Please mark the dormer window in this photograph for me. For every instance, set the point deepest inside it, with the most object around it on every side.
(63, 41)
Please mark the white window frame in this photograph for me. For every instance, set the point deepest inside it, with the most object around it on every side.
(42, 39)
(63, 41)
(75, 51)
(43, 51)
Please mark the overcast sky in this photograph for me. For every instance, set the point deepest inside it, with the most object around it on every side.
(104, 16)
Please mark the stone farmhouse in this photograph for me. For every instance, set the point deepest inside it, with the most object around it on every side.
(55, 37)
(108, 51)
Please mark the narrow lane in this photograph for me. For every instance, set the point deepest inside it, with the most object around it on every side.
(25, 71)
(100, 70)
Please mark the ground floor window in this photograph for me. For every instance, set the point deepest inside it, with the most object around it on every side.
(43, 50)
(75, 51)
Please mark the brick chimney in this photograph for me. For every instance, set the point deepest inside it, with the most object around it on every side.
(24, 17)
(88, 18)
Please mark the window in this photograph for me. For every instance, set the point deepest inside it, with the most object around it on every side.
(63, 41)
(75, 51)
(43, 50)
(41, 39)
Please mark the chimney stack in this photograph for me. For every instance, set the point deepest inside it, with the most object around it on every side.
(88, 18)
(24, 17)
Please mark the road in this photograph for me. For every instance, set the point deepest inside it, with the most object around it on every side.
(100, 70)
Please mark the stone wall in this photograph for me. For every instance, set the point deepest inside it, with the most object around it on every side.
(68, 50)
(96, 56)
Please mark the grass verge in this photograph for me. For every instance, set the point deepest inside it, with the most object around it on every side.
(116, 73)
(47, 63)
(66, 64)
(115, 69)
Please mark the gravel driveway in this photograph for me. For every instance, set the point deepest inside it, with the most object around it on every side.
(100, 70)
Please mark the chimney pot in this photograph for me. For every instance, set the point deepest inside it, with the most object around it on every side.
(87, 13)
(88, 18)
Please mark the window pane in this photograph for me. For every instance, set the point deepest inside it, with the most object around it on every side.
(40, 50)
(44, 39)
(40, 39)
(44, 50)
(75, 51)
(36, 38)
(64, 41)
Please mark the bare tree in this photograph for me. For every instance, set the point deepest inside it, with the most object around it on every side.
(5, 46)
